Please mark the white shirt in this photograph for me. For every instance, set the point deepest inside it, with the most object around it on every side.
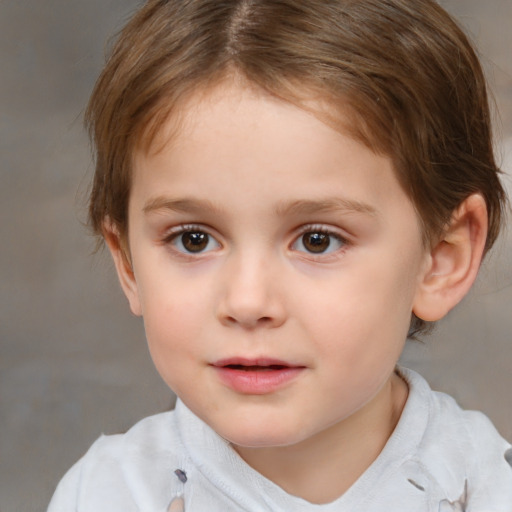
(439, 459)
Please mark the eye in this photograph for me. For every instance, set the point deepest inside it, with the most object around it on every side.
(192, 241)
(318, 241)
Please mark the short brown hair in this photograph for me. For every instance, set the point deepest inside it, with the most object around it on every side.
(405, 69)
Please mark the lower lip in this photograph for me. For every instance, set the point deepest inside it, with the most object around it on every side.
(257, 382)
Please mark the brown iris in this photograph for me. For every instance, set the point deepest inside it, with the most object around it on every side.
(195, 241)
(316, 242)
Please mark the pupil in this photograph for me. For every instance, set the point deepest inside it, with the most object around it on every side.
(316, 242)
(194, 241)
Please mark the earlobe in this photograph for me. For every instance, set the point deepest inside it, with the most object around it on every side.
(123, 266)
(453, 262)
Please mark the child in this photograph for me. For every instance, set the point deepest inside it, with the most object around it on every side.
(288, 189)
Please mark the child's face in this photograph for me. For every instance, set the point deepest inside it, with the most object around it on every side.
(276, 263)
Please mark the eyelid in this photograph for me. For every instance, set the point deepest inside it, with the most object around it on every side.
(174, 231)
(324, 228)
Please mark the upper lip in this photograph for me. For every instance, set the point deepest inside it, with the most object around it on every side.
(256, 362)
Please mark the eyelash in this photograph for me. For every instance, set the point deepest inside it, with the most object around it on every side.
(173, 235)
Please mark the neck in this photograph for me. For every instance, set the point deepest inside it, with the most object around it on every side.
(323, 467)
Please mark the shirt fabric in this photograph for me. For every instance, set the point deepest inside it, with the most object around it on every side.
(439, 458)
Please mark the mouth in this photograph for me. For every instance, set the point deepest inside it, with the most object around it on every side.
(260, 364)
(256, 368)
(256, 376)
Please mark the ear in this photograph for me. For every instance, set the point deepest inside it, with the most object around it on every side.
(120, 254)
(453, 262)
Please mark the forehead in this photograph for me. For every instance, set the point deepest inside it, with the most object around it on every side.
(233, 145)
(221, 118)
(234, 91)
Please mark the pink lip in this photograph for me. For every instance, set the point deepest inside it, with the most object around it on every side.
(256, 376)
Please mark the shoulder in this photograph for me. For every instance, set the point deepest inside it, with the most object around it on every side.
(149, 435)
(116, 465)
(467, 431)
(462, 450)
(152, 437)
(446, 421)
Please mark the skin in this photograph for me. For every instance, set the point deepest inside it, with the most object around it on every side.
(257, 179)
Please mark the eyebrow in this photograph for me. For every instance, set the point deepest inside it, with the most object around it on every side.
(308, 207)
(184, 205)
(298, 207)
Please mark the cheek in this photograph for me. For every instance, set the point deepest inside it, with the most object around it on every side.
(174, 317)
(169, 297)
(368, 307)
(172, 323)
(170, 334)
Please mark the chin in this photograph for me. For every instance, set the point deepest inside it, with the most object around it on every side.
(264, 437)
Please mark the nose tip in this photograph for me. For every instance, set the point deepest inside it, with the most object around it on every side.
(250, 298)
(251, 312)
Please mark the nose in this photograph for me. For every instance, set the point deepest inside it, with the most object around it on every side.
(250, 296)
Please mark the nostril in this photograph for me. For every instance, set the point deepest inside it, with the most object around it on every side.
(250, 322)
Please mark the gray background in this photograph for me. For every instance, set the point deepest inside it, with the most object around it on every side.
(73, 360)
